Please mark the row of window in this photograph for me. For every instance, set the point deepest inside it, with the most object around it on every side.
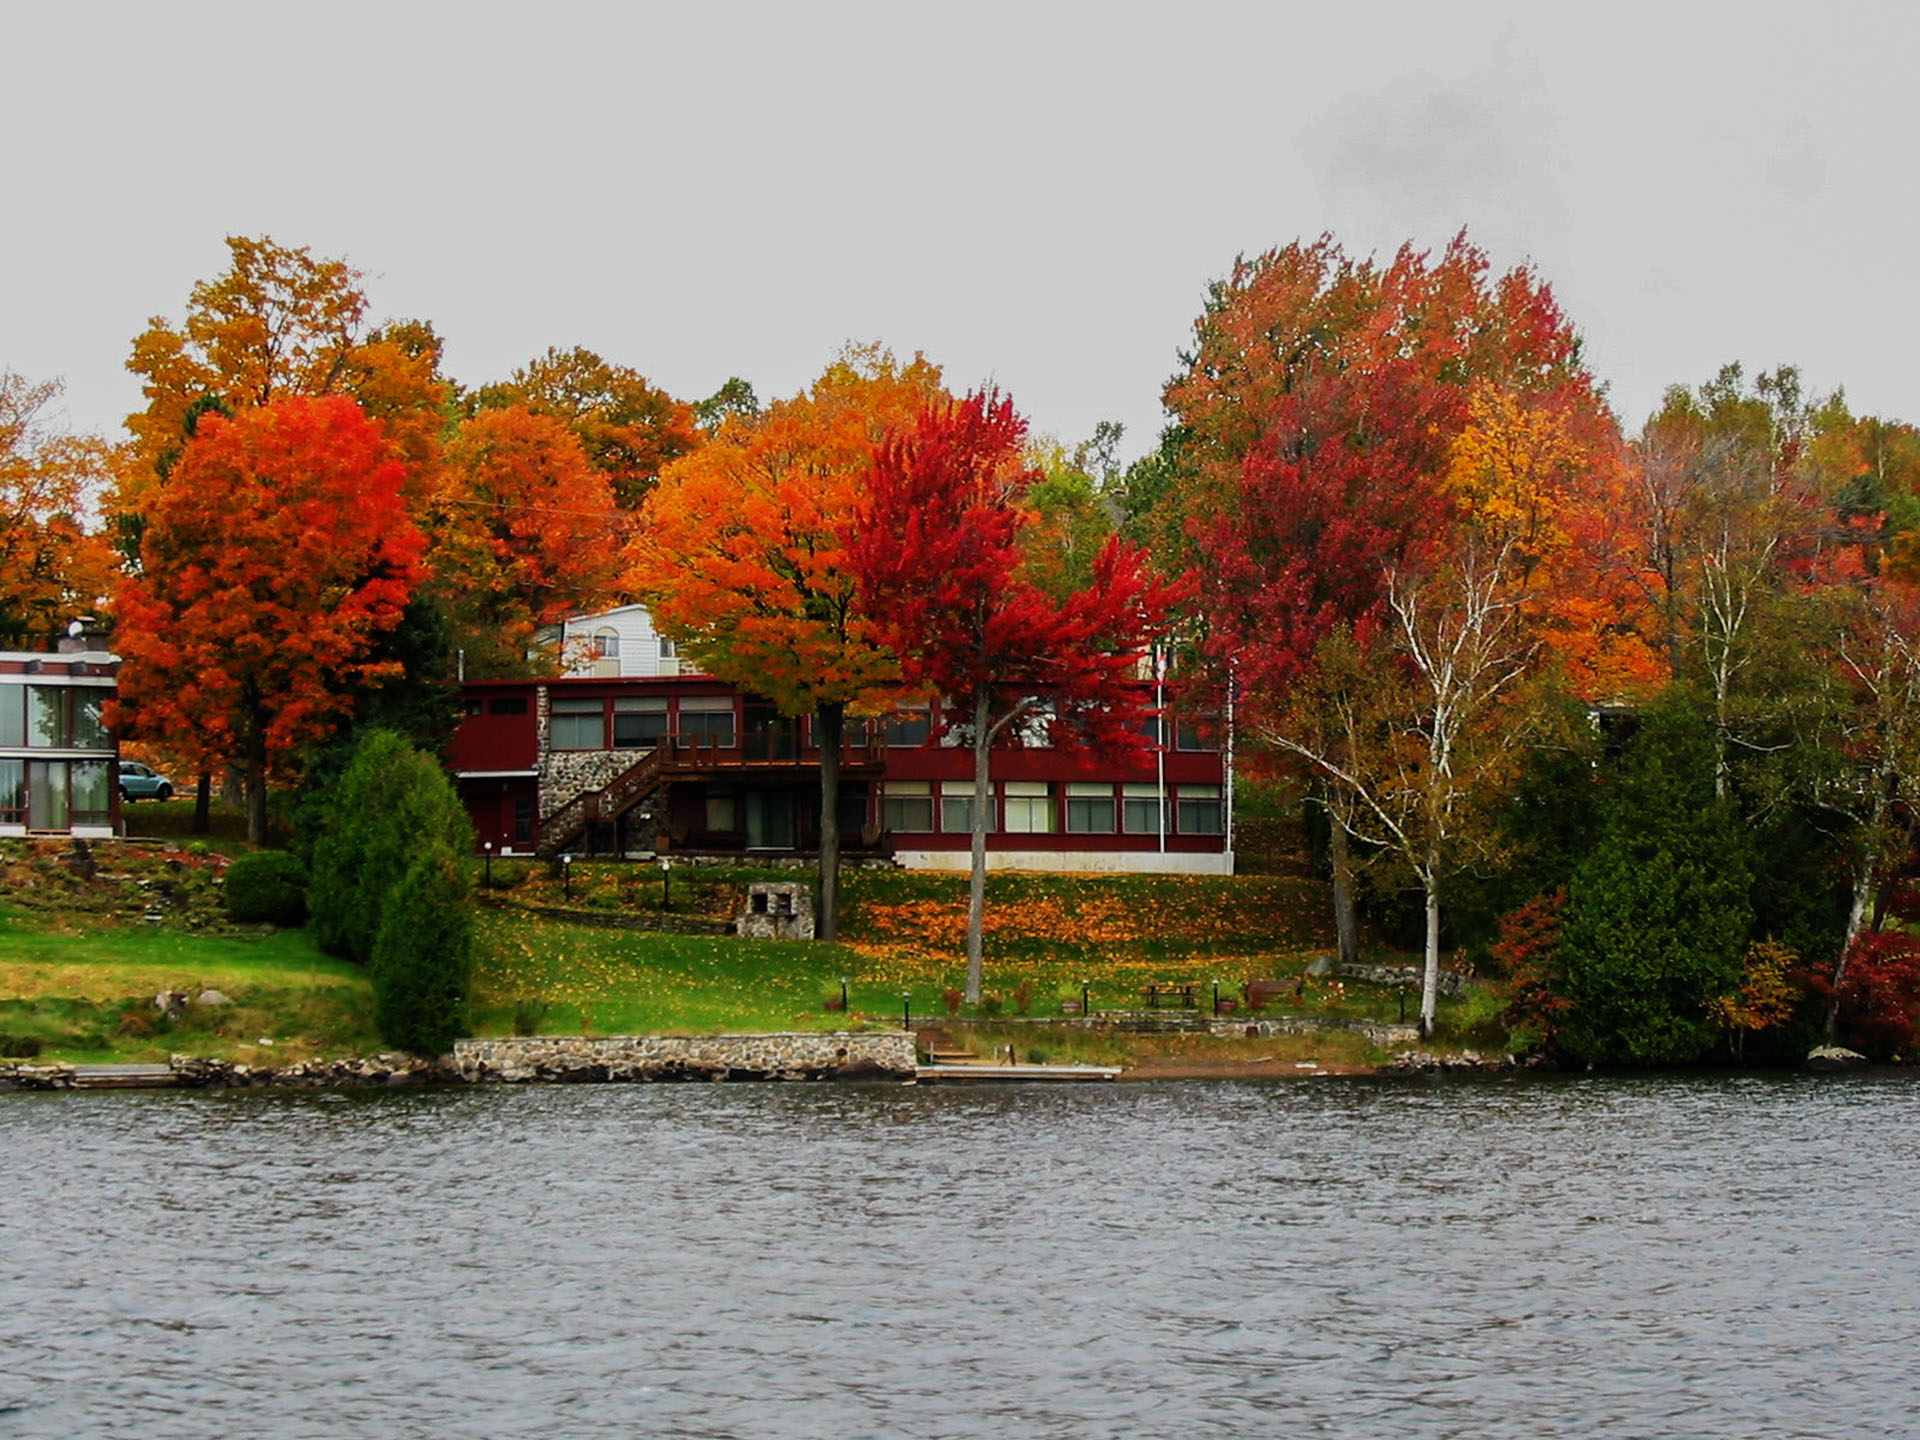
(1037, 807)
(55, 794)
(633, 722)
(52, 717)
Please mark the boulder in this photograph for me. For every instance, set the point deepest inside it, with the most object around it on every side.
(1320, 965)
(1827, 1059)
(211, 997)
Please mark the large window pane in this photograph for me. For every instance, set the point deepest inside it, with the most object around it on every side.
(89, 731)
(906, 806)
(578, 723)
(707, 717)
(13, 792)
(91, 792)
(13, 714)
(956, 808)
(638, 722)
(1028, 807)
(46, 717)
(1089, 808)
(46, 795)
(910, 727)
(1140, 809)
(1199, 810)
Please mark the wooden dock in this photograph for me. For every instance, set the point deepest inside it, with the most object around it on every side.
(940, 1073)
(122, 1077)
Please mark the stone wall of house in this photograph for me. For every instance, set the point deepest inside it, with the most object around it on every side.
(567, 773)
(880, 1054)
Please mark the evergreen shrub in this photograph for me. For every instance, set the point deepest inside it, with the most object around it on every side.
(267, 887)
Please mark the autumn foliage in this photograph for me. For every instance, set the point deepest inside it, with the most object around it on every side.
(278, 551)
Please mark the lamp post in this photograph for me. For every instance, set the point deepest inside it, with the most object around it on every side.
(566, 876)
(843, 992)
(666, 882)
(906, 1010)
(1085, 1013)
(1216, 999)
(488, 863)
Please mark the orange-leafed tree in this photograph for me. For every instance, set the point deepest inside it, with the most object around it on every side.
(53, 560)
(275, 557)
(629, 428)
(940, 563)
(279, 321)
(740, 557)
(525, 532)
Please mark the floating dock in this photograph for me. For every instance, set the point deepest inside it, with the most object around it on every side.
(979, 1070)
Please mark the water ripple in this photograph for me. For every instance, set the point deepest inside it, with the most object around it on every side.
(1515, 1258)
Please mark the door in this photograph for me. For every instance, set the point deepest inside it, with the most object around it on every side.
(770, 815)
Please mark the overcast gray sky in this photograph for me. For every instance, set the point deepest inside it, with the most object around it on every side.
(1031, 193)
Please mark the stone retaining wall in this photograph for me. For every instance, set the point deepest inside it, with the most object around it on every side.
(1383, 1033)
(879, 1054)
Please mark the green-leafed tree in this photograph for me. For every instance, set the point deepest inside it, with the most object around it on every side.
(392, 805)
(1659, 915)
(422, 965)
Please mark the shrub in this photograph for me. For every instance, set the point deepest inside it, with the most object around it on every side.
(422, 964)
(19, 1047)
(1023, 997)
(951, 998)
(267, 887)
(392, 805)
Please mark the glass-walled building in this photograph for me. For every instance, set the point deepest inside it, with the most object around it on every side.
(56, 756)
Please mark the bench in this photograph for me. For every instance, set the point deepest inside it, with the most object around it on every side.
(1262, 993)
(1185, 997)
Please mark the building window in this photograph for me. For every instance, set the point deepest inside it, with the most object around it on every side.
(47, 719)
(89, 730)
(910, 727)
(606, 644)
(13, 791)
(92, 792)
(1140, 809)
(906, 806)
(723, 814)
(1089, 808)
(46, 795)
(667, 652)
(508, 705)
(707, 717)
(956, 807)
(1150, 728)
(1198, 810)
(1197, 733)
(639, 722)
(523, 819)
(1028, 807)
(579, 723)
(13, 715)
(470, 708)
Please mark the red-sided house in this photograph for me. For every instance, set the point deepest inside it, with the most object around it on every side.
(56, 755)
(601, 764)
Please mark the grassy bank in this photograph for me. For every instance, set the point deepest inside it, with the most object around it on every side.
(81, 963)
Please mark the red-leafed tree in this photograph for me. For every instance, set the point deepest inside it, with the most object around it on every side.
(939, 558)
(275, 556)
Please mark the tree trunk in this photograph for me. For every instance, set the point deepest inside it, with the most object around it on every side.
(977, 882)
(829, 725)
(1862, 895)
(1346, 925)
(203, 804)
(1430, 974)
(256, 777)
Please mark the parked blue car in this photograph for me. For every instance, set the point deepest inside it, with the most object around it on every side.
(143, 782)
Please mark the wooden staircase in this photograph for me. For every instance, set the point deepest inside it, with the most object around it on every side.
(639, 782)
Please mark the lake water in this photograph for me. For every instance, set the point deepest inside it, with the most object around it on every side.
(1512, 1257)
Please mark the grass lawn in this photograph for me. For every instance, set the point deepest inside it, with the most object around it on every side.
(83, 984)
(87, 996)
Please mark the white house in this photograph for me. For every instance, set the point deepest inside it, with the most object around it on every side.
(613, 644)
